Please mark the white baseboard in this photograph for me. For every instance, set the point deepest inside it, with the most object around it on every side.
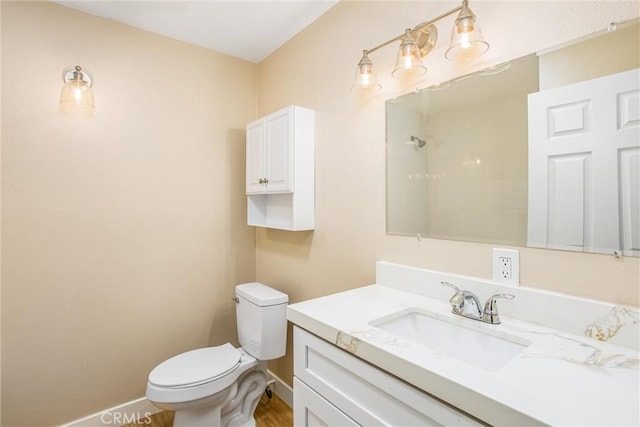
(140, 409)
(129, 412)
(282, 389)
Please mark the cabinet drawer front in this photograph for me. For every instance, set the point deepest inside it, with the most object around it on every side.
(311, 410)
(365, 393)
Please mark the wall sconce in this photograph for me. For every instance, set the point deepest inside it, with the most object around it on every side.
(466, 37)
(409, 60)
(76, 93)
(416, 43)
(365, 79)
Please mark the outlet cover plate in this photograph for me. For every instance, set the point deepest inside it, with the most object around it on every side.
(499, 256)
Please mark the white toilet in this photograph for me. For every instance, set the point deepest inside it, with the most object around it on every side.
(221, 386)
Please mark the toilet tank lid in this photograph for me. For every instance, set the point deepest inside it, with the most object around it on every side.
(260, 294)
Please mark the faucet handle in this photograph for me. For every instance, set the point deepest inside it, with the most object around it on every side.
(450, 285)
(457, 299)
(490, 314)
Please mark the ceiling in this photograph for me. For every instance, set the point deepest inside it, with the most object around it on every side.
(249, 30)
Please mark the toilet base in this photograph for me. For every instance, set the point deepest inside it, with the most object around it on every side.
(232, 407)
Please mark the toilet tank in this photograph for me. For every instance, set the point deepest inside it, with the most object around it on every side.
(261, 314)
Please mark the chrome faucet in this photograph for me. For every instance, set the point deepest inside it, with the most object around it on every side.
(466, 303)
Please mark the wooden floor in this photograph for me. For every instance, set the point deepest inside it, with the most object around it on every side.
(273, 413)
(269, 413)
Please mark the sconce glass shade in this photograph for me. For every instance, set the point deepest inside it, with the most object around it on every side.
(76, 93)
(466, 37)
(408, 62)
(365, 78)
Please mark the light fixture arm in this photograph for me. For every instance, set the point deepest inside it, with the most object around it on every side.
(417, 28)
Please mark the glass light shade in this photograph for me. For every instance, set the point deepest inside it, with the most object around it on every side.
(76, 93)
(365, 78)
(408, 62)
(466, 37)
(74, 98)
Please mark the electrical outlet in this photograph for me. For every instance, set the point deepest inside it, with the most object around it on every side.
(506, 266)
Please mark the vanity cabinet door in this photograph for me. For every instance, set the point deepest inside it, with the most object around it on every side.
(312, 410)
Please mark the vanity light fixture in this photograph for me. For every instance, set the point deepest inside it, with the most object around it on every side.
(416, 43)
(76, 93)
(365, 79)
(409, 61)
(466, 37)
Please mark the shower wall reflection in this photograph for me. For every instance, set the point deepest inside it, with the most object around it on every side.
(470, 178)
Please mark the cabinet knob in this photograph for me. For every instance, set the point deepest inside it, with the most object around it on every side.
(263, 180)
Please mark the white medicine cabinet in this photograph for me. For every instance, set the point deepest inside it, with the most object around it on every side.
(280, 176)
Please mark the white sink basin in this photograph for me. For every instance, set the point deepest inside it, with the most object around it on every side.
(472, 343)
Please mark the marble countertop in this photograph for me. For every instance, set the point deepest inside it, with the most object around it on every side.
(559, 379)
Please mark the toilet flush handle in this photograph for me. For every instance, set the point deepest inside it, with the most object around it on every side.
(236, 300)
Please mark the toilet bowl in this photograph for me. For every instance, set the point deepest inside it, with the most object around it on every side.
(221, 386)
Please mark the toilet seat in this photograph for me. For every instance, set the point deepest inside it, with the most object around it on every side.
(196, 367)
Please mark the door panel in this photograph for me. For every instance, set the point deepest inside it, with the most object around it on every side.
(629, 200)
(582, 193)
(568, 200)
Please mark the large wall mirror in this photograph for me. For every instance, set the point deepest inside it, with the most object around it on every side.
(543, 151)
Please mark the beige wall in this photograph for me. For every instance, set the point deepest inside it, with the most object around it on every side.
(609, 53)
(315, 69)
(123, 233)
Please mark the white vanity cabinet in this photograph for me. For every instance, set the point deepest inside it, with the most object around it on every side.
(280, 183)
(331, 387)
